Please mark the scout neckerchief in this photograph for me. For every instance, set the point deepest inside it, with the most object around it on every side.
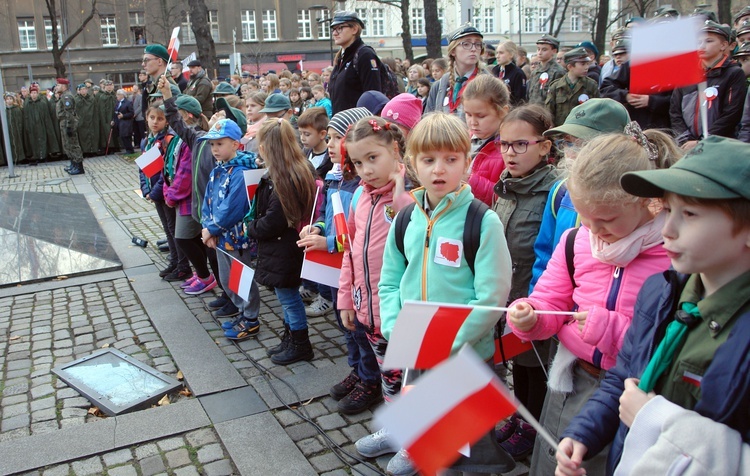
(458, 89)
(685, 319)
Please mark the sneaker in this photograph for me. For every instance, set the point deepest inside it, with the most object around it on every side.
(401, 465)
(163, 248)
(167, 271)
(319, 307)
(219, 302)
(244, 329)
(163, 241)
(226, 325)
(307, 295)
(521, 444)
(344, 388)
(363, 397)
(227, 310)
(189, 282)
(377, 444)
(200, 286)
(177, 275)
(507, 430)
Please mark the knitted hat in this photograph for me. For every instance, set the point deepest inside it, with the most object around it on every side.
(341, 121)
(404, 109)
(189, 104)
(373, 101)
(157, 50)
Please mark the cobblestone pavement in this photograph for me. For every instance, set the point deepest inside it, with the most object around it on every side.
(51, 328)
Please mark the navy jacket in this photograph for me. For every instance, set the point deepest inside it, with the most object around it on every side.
(725, 388)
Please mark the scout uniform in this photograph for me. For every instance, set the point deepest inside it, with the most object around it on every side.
(564, 95)
(66, 114)
(543, 77)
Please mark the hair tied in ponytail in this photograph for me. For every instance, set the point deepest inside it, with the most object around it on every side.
(634, 131)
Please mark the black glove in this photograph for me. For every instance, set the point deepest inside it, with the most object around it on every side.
(69, 131)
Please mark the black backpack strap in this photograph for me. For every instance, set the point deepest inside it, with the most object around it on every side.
(570, 242)
(473, 230)
(402, 221)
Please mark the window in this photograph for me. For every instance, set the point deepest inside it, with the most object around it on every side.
(489, 20)
(378, 22)
(186, 30)
(249, 32)
(575, 19)
(324, 26)
(543, 14)
(109, 30)
(26, 34)
(528, 20)
(48, 32)
(269, 25)
(304, 25)
(137, 27)
(137, 18)
(362, 14)
(417, 21)
(441, 18)
(213, 23)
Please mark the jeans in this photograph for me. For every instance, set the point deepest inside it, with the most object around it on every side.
(360, 356)
(294, 308)
(248, 309)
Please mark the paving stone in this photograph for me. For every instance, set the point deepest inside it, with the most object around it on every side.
(13, 423)
(310, 446)
(87, 466)
(326, 462)
(59, 470)
(219, 468)
(201, 437)
(152, 465)
(118, 457)
(15, 410)
(14, 399)
(44, 415)
(210, 453)
(338, 472)
(187, 471)
(122, 471)
(355, 432)
(301, 431)
(146, 450)
(329, 422)
(171, 444)
(177, 458)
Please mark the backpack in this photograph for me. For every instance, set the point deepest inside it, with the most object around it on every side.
(388, 81)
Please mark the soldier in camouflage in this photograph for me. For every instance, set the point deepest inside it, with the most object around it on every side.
(547, 72)
(574, 88)
(66, 115)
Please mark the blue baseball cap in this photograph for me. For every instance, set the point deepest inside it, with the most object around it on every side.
(223, 128)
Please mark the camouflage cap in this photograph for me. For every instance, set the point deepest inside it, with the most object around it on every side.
(717, 29)
(575, 55)
(549, 40)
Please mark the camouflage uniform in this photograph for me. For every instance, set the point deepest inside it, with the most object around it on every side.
(537, 90)
(561, 98)
(66, 114)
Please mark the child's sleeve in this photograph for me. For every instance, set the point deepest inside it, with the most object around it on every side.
(234, 207)
(605, 330)
(543, 245)
(389, 288)
(206, 205)
(185, 132)
(345, 279)
(272, 224)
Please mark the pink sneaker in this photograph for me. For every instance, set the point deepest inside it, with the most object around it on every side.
(189, 282)
(200, 286)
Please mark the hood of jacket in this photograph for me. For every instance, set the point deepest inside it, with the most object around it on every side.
(539, 180)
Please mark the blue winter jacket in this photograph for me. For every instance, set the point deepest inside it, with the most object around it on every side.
(725, 387)
(225, 203)
(346, 189)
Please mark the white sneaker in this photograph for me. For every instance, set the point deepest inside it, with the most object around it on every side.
(374, 445)
(401, 465)
(319, 307)
(307, 295)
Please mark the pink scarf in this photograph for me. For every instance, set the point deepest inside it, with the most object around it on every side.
(625, 250)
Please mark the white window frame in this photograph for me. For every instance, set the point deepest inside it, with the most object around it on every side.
(542, 15)
(137, 18)
(378, 22)
(365, 17)
(249, 27)
(186, 31)
(529, 19)
(304, 25)
(27, 34)
(213, 24)
(48, 32)
(108, 28)
(441, 19)
(575, 19)
(324, 27)
(270, 32)
(417, 22)
(489, 21)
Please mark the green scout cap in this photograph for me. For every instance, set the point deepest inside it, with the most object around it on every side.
(621, 46)
(223, 88)
(592, 118)
(189, 104)
(743, 28)
(157, 50)
(716, 168)
(743, 50)
(276, 102)
(549, 40)
(742, 13)
(721, 30)
(575, 55)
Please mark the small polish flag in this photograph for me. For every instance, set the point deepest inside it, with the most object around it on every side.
(174, 44)
(185, 69)
(151, 162)
(252, 179)
(692, 379)
(322, 267)
(664, 56)
(339, 222)
(240, 278)
(460, 400)
(509, 345)
(425, 332)
(300, 66)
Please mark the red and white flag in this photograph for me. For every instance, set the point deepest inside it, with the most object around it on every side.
(252, 179)
(322, 267)
(457, 402)
(151, 162)
(425, 332)
(300, 66)
(174, 44)
(664, 56)
(185, 69)
(240, 278)
(509, 345)
(339, 222)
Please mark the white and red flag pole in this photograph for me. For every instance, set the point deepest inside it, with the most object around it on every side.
(252, 179)
(339, 222)
(174, 46)
(240, 277)
(321, 266)
(151, 162)
(664, 56)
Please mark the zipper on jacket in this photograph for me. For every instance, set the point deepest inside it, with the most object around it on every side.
(614, 290)
(365, 264)
(425, 255)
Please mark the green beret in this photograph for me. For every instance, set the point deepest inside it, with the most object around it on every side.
(189, 104)
(157, 50)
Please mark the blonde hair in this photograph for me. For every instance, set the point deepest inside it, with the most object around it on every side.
(290, 171)
(435, 132)
(273, 82)
(509, 48)
(489, 89)
(595, 174)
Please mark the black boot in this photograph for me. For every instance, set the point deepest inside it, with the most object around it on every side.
(76, 169)
(286, 338)
(68, 167)
(299, 348)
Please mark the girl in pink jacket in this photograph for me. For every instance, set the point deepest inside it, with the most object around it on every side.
(596, 271)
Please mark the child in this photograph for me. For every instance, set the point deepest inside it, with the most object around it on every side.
(255, 103)
(312, 127)
(224, 207)
(374, 148)
(319, 94)
(707, 237)
(572, 89)
(597, 272)
(282, 205)
(285, 86)
(439, 153)
(522, 191)
(360, 390)
(507, 71)
(305, 93)
(414, 74)
(423, 89)
(486, 102)
(404, 110)
(297, 104)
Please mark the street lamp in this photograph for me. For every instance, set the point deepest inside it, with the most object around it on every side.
(321, 20)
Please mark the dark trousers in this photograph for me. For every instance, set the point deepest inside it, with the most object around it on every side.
(167, 216)
(127, 143)
(139, 132)
(360, 356)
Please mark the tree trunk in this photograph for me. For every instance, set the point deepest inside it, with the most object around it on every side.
(202, 33)
(59, 48)
(406, 30)
(562, 19)
(600, 31)
(725, 11)
(433, 29)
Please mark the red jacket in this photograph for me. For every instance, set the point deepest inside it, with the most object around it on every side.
(485, 172)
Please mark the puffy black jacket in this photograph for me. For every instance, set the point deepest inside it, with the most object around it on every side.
(655, 116)
(515, 78)
(348, 82)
